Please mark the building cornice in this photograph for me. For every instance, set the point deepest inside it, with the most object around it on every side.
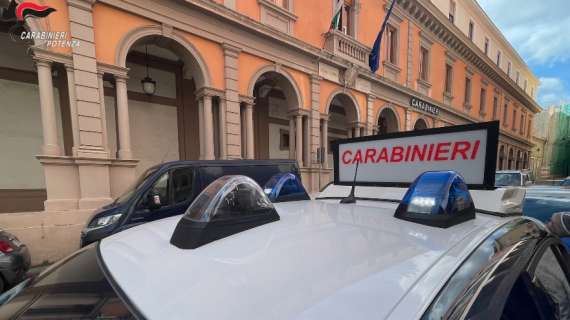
(424, 13)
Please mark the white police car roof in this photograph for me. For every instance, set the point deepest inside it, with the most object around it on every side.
(322, 260)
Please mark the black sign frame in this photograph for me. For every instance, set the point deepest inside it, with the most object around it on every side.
(492, 128)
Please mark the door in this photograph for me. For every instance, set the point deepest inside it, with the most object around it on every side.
(170, 195)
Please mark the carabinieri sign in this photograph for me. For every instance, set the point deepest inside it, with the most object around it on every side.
(396, 159)
(424, 106)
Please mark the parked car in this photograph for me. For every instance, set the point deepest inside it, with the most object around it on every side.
(14, 260)
(565, 183)
(168, 189)
(512, 178)
(541, 202)
(236, 255)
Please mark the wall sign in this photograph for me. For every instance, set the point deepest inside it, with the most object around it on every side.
(424, 106)
(397, 159)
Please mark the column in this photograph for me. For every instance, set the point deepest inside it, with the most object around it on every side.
(299, 139)
(370, 115)
(325, 141)
(201, 127)
(103, 110)
(123, 127)
(51, 145)
(357, 130)
(292, 137)
(249, 130)
(222, 129)
(72, 106)
(208, 128)
(306, 141)
(233, 133)
(408, 121)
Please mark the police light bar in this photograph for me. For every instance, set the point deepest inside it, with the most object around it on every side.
(438, 199)
(397, 159)
(227, 206)
(285, 186)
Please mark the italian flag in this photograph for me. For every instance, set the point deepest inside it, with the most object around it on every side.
(338, 4)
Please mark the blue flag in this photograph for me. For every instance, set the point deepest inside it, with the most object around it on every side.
(374, 58)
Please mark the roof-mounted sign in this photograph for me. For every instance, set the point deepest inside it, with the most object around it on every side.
(397, 159)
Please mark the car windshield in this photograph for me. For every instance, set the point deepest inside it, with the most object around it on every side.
(566, 182)
(507, 179)
(75, 288)
(134, 187)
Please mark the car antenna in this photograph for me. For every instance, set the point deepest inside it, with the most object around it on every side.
(350, 198)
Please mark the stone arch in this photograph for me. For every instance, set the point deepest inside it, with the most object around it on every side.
(419, 121)
(390, 108)
(191, 55)
(348, 95)
(298, 97)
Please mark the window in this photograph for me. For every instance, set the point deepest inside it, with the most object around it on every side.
(525, 85)
(392, 44)
(550, 284)
(529, 128)
(509, 69)
(448, 78)
(283, 139)
(514, 123)
(424, 64)
(158, 194)
(505, 110)
(182, 179)
(467, 91)
(471, 30)
(495, 107)
(532, 92)
(452, 8)
(482, 101)
(486, 46)
(499, 59)
(77, 287)
(518, 77)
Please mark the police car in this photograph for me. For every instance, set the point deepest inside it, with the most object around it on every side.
(375, 244)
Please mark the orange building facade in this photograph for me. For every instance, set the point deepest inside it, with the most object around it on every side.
(234, 79)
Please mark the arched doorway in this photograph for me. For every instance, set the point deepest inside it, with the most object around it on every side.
(387, 121)
(510, 159)
(277, 119)
(501, 157)
(343, 121)
(166, 124)
(420, 124)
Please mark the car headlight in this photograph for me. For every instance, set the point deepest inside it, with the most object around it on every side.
(104, 221)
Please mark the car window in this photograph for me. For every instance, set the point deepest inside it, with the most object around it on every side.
(182, 179)
(259, 173)
(507, 179)
(565, 183)
(551, 284)
(158, 193)
(75, 288)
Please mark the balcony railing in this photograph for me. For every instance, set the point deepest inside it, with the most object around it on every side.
(347, 47)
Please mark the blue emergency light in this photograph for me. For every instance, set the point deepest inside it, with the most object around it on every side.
(438, 199)
(285, 187)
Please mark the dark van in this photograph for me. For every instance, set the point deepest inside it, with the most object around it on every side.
(168, 189)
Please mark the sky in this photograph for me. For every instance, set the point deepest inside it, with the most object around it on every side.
(540, 32)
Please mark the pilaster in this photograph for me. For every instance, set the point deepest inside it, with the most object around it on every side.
(232, 102)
